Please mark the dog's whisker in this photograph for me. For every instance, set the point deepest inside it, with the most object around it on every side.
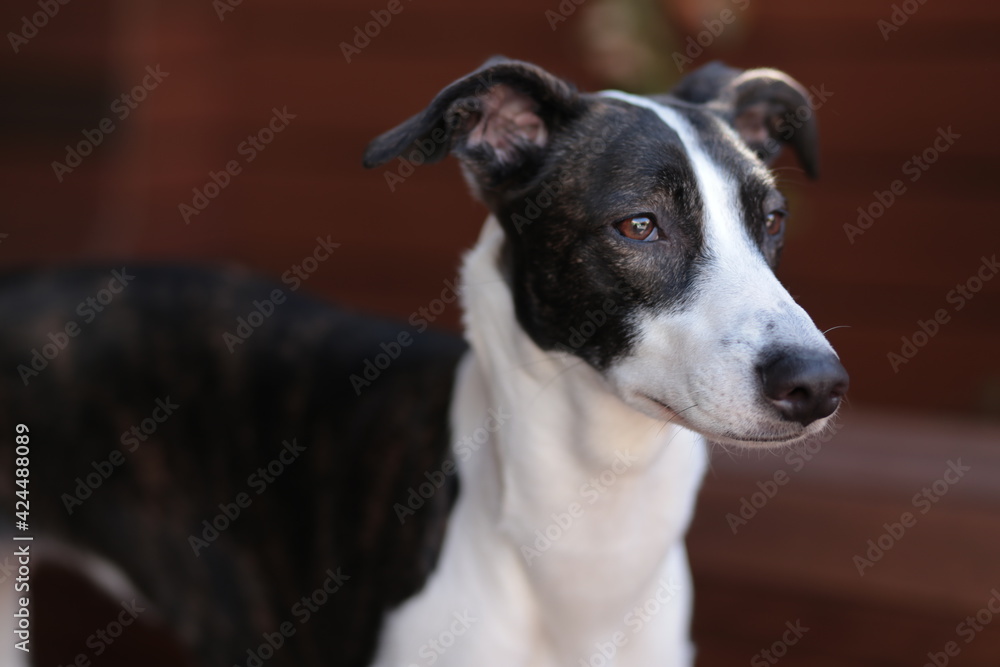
(676, 414)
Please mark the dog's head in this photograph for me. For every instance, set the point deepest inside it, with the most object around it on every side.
(642, 235)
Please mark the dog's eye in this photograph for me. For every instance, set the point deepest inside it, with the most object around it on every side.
(775, 221)
(638, 228)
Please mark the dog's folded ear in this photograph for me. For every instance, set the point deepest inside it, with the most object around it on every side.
(765, 106)
(498, 120)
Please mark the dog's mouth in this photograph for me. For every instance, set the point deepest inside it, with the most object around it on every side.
(732, 438)
(727, 437)
(676, 416)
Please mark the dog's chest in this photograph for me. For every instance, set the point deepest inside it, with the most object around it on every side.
(547, 554)
(602, 526)
(594, 544)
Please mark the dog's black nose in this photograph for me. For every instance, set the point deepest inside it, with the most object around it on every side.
(804, 386)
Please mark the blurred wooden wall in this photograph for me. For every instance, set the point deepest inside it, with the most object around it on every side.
(225, 76)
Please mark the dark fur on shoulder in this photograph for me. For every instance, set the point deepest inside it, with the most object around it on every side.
(331, 509)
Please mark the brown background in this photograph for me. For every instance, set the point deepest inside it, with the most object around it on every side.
(889, 99)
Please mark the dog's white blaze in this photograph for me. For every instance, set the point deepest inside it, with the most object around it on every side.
(725, 235)
(567, 426)
(678, 359)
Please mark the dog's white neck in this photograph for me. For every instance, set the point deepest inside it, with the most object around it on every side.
(570, 514)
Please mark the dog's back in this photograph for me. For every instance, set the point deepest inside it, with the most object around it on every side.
(152, 426)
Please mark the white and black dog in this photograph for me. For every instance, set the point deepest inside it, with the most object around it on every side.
(518, 502)
(647, 229)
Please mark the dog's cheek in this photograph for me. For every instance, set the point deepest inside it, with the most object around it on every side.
(653, 361)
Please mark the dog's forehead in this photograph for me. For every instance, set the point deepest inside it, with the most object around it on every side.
(628, 153)
(693, 129)
(663, 144)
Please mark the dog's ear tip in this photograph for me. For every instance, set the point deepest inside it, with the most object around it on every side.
(717, 64)
(380, 150)
(705, 83)
(762, 97)
(373, 155)
(496, 59)
(501, 88)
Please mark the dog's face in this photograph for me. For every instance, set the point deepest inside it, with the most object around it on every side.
(642, 235)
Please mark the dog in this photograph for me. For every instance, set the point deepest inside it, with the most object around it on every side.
(520, 498)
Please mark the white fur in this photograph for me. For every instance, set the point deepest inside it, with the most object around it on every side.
(567, 426)
(701, 362)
